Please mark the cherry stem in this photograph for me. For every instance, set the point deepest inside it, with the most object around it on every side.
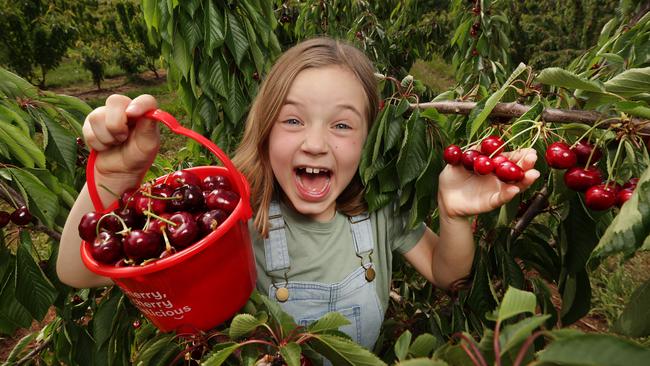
(125, 228)
(525, 346)
(590, 130)
(168, 246)
(149, 195)
(611, 168)
(536, 125)
(152, 214)
(495, 343)
(473, 346)
(486, 134)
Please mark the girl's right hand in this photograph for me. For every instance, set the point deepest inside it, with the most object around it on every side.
(126, 143)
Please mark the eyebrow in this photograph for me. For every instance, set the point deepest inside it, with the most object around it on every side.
(341, 106)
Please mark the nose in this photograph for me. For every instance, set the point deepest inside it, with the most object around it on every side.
(315, 141)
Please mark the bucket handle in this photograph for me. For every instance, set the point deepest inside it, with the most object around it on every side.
(171, 122)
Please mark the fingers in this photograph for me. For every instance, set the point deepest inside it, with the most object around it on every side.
(504, 195)
(107, 125)
(525, 158)
(140, 105)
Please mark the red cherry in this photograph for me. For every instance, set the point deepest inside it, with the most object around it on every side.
(182, 177)
(88, 226)
(21, 216)
(452, 155)
(4, 218)
(144, 203)
(223, 200)
(491, 144)
(210, 220)
(483, 165)
(600, 197)
(140, 245)
(580, 179)
(188, 198)
(509, 172)
(106, 248)
(631, 184)
(212, 182)
(468, 159)
(129, 197)
(560, 156)
(182, 234)
(157, 225)
(136, 324)
(623, 196)
(498, 159)
(583, 149)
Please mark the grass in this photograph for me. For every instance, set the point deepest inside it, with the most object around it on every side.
(71, 72)
(434, 73)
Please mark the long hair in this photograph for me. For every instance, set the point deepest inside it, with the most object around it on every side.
(252, 155)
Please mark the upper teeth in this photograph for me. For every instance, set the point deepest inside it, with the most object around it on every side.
(314, 170)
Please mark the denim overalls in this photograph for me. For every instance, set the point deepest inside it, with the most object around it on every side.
(354, 297)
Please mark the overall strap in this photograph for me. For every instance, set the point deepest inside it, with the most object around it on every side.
(362, 234)
(275, 246)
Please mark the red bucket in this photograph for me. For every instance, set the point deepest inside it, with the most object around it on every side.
(203, 285)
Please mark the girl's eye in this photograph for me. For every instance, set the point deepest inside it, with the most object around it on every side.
(342, 126)
(292, 121)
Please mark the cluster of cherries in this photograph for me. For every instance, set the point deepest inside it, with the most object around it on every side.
(487, 160)
(20, 216)
(582, 175)
(155, 221)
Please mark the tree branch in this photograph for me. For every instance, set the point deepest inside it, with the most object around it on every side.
(514, 110)
(538, 203)
(50, 232)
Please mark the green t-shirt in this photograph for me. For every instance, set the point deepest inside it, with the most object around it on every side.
(324, 252)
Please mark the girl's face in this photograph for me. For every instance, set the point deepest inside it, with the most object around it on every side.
(315, 144)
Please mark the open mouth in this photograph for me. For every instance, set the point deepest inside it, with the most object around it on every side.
(313, 183)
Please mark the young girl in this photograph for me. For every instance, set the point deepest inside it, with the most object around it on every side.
(316, 248)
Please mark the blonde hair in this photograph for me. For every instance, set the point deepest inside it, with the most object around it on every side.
(252, 155)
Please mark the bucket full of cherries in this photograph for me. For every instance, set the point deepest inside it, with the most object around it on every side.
(178, 246)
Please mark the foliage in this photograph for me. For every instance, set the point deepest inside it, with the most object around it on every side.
(35, 34)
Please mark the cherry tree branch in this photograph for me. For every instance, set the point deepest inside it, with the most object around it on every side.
(514, 110)
(537, 205)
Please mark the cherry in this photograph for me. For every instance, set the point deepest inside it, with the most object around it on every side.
(452, 154)
(580, 179)
(182, 177)
(256, 76)
(631, 184)
(222, 199)
(188, 198)
(129, 216)
(129, 197)
(359, 35)
(106, 248)
(509, 172)
(210, 220)
(583, 149)
(140, 244)
(136, 324)
(157, 225)
(623, 196)
(4, 218)
(110, 223)
(184, 232)
(560, 156)
(212, 182)
(88, 226)
(474, 52)
(468, 159)
(144, 203)
(21, 216)
(600, 197)
(498, 159)
(483, 165)
(491, 144)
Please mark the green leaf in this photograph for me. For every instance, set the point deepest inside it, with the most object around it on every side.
(330, 321)
(422, 362)
(151, 13)
(576, 297)
(291, 353)
(62, 146)
(476, 120)
(12, 314)
(630, 227)
(284, 320)
(22, 147)
(221, 356)
(414, 153)
(423, 345)
(236, 103)
(566, 79)
(516, 302)
(630, 82)
(33, 290)
(639, 109)
(402, 345)
(181, 56)
(581, 242)
(44, 204)
(153, 348)
(342, 351)
(236, 39)
(635, 319)
(19, 348)
(514, 334)
(243, 324)
(595, 350)
(105, 318)
(214, 28)
(213, 78)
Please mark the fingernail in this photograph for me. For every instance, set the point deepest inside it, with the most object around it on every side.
(131, 108)
(122, 137)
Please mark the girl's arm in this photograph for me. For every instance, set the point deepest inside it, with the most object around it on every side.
(124, 153)
(447, 258)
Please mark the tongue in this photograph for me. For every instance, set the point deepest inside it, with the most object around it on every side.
(314, 183)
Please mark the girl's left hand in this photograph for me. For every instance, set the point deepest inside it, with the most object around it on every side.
(464, 193)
